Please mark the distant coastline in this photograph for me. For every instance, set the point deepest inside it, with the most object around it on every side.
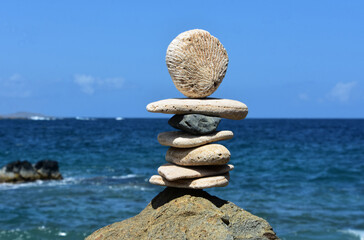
(38, 116)
(26, 115)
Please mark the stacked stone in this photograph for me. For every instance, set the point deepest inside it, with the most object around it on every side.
(197, 63)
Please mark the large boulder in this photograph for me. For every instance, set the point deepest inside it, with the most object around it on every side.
(48, 169)
(18, 171)
(24, 171)
(8, 176)
(179, 213)
(27, 171)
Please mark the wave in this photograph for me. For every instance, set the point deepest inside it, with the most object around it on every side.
(85, 118)
(40, 232)
(119, 118)
(39, 118)
(65, 181)
(131, 179)
(62, 234)
(354, 232)
(125, 177)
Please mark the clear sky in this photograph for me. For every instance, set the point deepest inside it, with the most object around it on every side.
(107, 58)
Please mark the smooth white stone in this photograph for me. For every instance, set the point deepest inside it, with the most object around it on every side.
(210, 154)
(199, 183)
(173, 172)
(224, 108)
(180, 139)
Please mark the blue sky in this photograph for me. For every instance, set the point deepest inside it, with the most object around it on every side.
(295, 59)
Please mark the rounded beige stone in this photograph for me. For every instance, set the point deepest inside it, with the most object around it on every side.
(197, 63)
(199, 183)
(224, 108)
(172, 172)
(180, 139)
(211, 154)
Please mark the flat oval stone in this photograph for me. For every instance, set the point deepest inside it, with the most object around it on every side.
(199, 183)
(211, 154)
(173, 172)
(197, 124)
(181, 139)
(224, 108)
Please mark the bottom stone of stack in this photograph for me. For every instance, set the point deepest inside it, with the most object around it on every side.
(197, 183)
(172, 172)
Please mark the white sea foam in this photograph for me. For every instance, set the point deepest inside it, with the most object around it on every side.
(38, 183)
(62, 234)
(119, 118)
(85, 118)
(125, 176)
(355, 232)
(131, 187)
(39, 118)
(51, 183)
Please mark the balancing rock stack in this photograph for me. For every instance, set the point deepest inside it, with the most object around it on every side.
(197, 63)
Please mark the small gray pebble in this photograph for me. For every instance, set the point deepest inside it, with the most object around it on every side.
(196, 124)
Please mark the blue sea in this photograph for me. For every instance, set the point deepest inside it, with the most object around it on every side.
(305, 177)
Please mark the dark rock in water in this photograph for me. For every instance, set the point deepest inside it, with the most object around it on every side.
(28, 172)
(197, 124)
(8, 176)
(18, 171)
(48, 169)
(188, 214)
(14, 166)
(24, 171)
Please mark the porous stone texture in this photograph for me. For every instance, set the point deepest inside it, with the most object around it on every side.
(172, 172)
(197, 183)
(181, 139)
(180, 214)
(196, 124)
(224, 108)
(211, 154)
(197, 63)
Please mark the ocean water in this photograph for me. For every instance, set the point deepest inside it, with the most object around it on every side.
(305, 177)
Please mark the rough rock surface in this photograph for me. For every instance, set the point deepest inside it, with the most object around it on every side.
(197, 63)
(210, 154)
(196, 183)
(180, 214)
(196, 124)
(173, 172)
(181, 139)
(224, 108)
